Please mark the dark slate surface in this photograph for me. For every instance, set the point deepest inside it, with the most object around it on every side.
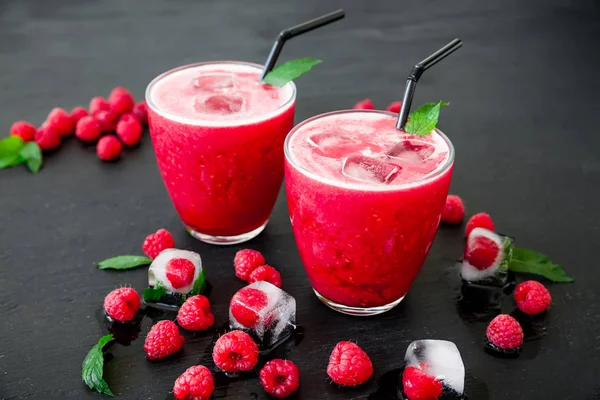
(524, 120)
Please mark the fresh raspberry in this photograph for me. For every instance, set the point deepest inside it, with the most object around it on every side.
(88, 129)
(180, 272)
(61, 122)
(480, 220)
(265, 273)
(108, 148)
(246, 303)
(163, 340)
(129, 130)
(122, 304)
(97, 104)
(365, 104)
(120, 100)
(246, 261)
(140, 110)
(157, 242)
(394, 106)
(108, 119)
(196, 383)
(505, 332)
(349, 365)
(47, 138)
(481, 252)
(418, 385)
(77, 113)
(532, 297)
(280, 378)
(195, 314)
(235, 351)
(24, 130)
(454, 210)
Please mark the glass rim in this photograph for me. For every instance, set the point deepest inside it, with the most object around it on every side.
(217, 123)
(357, 186)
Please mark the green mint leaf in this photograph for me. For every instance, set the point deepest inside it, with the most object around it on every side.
(156, 293)
(124, 262)
(289, 71)
(10, 148)
(32, 154)
(91, 369)
(424, 119)
(532, 262)
(199, 285)
(508, 254)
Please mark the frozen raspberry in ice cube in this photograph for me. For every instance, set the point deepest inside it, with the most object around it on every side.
(177, 270)
(486, 255)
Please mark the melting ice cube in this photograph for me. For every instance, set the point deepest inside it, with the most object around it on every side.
(486, 256)
(369, 169)
(440, 359)
(338, 145)
(412, 151)
(222, 104)
(265, 312)
(214, 82)
(178, 276)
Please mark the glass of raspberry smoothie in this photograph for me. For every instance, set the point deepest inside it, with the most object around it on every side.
(365, 202)
(218, 137)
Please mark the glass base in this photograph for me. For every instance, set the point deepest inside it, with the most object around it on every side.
(358, 311)
(225, 240)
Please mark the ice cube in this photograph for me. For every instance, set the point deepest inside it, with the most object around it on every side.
(222, 104)
(440, 359)
(370, 169)
(214, 82)
(160, 271)
(264, 311)
(339, 144)
(486, 257)
(412, 151)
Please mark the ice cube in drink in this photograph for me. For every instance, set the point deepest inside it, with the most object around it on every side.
(370, 169)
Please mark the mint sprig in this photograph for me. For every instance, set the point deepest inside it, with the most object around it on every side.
(289, 71)
(124, 262)
(155, 293)
(14, 151)
(92, 367)
(532, 262)
(199, 285)
(423, 120)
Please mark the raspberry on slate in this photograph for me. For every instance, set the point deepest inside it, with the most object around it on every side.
(280, 378)
(97, 104)
(532, 297)
(157, 242)
(505, 332)
(480, 220)
(60, 121)
(108, 148)
(47, 138)
(246, 261)
(366, 104)
(349, 365)
(265, 273)
(180, 272)
(108, 119)
(235, 351)
(481, 252)
(454, 210)
(418, 385)
(196, 383)
(163, 340)
(122, 304)
(88, 129)
(129, 130)
(195, 314)
(77, 113)
(140, 110)
(245, 304)
(394, 107)
(121, 100)
(24, 130)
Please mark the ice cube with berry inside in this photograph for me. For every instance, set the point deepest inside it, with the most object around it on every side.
(173, 276)
(265, 312)
(434, 370)
(486, 257)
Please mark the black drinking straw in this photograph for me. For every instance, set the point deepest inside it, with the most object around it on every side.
(415, 74)
(294, 31)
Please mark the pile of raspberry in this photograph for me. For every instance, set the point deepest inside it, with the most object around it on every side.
(110, 123)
